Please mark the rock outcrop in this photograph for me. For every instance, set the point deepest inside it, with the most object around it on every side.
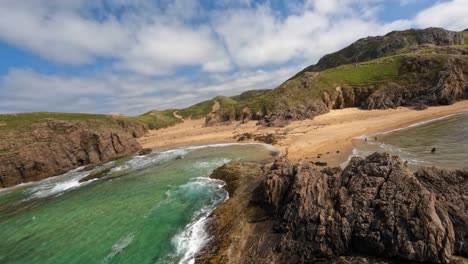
(373, 211)
(51, 147)
(403, 68)
(376, 47)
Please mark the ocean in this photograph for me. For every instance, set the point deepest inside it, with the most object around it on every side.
(151, 209)
(448, 136)
(154, 208)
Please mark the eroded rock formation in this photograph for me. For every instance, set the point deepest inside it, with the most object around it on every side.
(53, 146)
(373, 211)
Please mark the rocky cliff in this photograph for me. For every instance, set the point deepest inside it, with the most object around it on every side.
(373, 211)
(370, 48)
(51, 146)
(414, 68)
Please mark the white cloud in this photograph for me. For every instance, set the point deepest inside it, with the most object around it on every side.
(257, 37)
(451, 15)
(26, 90)
(160, 49)
(149, 41)
(62, 36)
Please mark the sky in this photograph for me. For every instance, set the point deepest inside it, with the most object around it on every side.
(132, 56)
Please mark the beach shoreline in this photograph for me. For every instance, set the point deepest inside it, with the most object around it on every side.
(326, 138)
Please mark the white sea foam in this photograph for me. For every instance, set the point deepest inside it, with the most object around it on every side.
(194, 236)
(118, 247)
(70, 180)
(57, 185)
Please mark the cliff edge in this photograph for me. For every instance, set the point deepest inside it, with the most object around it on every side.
(374, 211)
(33, 148)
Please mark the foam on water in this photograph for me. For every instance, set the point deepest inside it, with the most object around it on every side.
(58, 184)
(152, 208)
(194, 236)
(118, 247)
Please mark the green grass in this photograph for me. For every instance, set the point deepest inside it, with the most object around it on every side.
(23, 121)
(159, 119)
(295, 92)
(363, 73)
(202, 109)
(249, 95)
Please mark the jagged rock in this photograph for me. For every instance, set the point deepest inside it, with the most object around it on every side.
(144, 152)
(420, 79)
(136, 129)
(53, 147)
(374, 207)
(420, 106)
(96, 175)
(451, 189)
(375, 47)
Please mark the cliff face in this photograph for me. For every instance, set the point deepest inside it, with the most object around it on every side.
(376, 47)
(373, 211)
(414, 68)
(52, 146)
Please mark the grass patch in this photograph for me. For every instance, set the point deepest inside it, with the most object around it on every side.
(24, 121)
(159, 119)
(363, 73)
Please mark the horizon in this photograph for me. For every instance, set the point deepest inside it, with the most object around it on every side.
(130, 58)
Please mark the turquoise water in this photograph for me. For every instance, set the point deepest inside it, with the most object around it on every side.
(151, 209)
(448, 135)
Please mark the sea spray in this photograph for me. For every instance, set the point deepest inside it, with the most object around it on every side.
(153, 208)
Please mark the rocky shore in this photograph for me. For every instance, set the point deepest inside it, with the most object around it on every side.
(374, 211)
(52, 146)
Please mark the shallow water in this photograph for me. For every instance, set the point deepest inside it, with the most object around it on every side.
(151, 209)
(449, 135)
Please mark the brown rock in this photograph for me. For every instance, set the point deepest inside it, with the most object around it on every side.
(96, 175)
(374, 207)
(52, 147)
(144, 152)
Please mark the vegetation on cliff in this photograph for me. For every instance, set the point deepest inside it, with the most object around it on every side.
(402, 68)
(39, 145)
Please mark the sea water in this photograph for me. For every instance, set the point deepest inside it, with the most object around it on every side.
(448, 136)
(150, 209)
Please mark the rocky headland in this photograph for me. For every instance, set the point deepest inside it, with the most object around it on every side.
(373, 211)
(414, 68)
(37, 149)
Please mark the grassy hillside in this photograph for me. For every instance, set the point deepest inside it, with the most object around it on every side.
(371, 64)
(23, 121)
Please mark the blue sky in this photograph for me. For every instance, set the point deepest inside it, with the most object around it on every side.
(131, 56)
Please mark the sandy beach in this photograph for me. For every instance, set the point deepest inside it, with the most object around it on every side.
(327, 136)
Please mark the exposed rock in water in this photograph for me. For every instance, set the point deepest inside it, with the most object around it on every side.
(144, 152)
(52, 147)
(373, 211)
(96, 175)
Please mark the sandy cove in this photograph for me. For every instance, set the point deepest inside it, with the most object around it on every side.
(329, 135)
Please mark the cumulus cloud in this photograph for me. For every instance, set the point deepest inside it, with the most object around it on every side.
(27, 90)
(230, 47)
(451, 15)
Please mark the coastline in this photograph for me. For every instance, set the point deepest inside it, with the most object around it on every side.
(327, 138)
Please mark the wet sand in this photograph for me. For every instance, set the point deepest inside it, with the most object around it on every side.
(327, 138)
